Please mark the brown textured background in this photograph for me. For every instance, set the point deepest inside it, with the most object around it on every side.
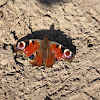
(73, 23)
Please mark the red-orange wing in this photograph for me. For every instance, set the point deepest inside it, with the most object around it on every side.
(32, 50)
(60, 52)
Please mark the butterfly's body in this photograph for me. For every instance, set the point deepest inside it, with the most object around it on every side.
(44, 52)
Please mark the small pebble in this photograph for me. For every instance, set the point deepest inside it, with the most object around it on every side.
(4, 62)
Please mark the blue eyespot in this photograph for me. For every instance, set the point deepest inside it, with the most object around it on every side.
(31, 57)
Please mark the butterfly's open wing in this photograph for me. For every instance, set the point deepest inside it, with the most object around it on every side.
(60, 52)
(44, 52)
(31, 48)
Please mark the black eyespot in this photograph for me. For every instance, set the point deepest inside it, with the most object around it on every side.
(31, 57)
(27, 43)
(21, 44)
(56, 59)
(33, 42)
(62, 49)
(57, 46)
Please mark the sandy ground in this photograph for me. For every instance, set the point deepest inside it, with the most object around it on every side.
(73, 23)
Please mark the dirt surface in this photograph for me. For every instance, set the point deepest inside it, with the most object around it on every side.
(72, 23)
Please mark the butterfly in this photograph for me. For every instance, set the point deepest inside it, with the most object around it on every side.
(43, 52)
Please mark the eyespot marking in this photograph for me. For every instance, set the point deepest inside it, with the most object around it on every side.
(21, 45)
(56, 59)
(67, 54)
(31, 57)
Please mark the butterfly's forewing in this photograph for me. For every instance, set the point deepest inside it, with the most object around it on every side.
(60, 52)
(32, 50)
